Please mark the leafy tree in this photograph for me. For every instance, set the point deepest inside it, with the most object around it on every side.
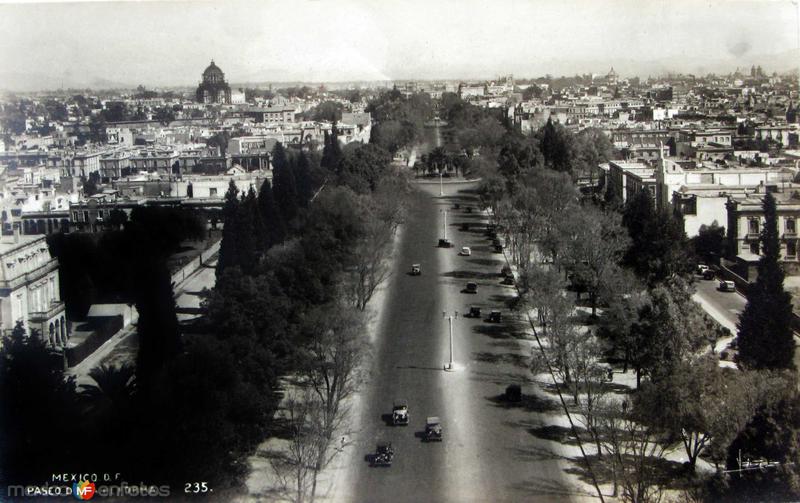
(219, 140)
(700, 403)
(332, 151)
(363, 166)
(228, 252)
(37, 398)
(284, 186)
(765, 326)
(90, 184)
(772, 434)
(658, 249)
(274, 227)
(709, 242)
(670, 328)
(330, 111)
(158, 330)
(556, 146)
(117, 218)
(305, 182)
(250, 233)
(596, 243)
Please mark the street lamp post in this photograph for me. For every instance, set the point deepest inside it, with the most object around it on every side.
(444, 212)
(441, 183)
(450, 366)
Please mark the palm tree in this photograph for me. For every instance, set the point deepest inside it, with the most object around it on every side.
(114, 391)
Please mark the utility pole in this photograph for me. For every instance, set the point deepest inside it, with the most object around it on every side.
(450, 366)
(444, 212)
(441, 183)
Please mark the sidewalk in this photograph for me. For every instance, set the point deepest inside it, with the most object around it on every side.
(333, 482)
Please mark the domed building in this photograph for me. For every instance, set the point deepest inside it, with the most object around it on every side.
(213, 88)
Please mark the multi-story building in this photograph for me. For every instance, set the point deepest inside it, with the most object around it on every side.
(29, 288)
(626, 179)
(746, 221)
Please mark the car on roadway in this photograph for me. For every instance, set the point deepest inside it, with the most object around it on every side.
(474, 312)
(494, 316)
(727, 286)
(445, 243)
(701, 268)
(709, 274)
(505, 271)
(465, 251)
(384, 454)
(471, 288)
(416, 269)
(433, 429)
(508, 280)
(513, 393)
(400, 413)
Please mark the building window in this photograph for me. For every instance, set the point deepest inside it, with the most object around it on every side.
(212, 192)
(75, 216)
(790, 226)
(791, 249)
(753, 226)
(754, 247)
(85, 216)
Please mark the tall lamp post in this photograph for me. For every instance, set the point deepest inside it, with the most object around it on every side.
(450, 366)
(444, 212)
(441, 183)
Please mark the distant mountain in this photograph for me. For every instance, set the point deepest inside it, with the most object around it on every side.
(695, 64)
(31, 82)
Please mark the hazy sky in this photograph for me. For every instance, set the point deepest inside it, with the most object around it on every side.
(164, 43)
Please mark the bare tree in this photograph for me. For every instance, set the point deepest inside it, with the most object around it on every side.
(331, 367)
(636, 450)
(591, 378)
(383, 213)
(296, 466)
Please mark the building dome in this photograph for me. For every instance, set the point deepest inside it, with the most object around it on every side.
(213, 74)
(213, 88)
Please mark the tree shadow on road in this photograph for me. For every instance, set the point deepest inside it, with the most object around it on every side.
(548, 486)
(557, 433)
(534, 454)
(668, 474)
(529, 403)
(484, 262)
(469, 275)
(516, 360)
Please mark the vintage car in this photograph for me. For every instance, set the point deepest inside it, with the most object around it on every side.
(709, 274)
(384, 454)
(513, 393)
(415, 270)
(474, 312)
(471, 288)
(508, 280)
(701, 268)
(400, 413)
(505, 271)
(494, 316)
(433, 429)
(445, 243)
(466, 251)
(727, 286)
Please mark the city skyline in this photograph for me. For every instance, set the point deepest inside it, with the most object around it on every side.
(103, 44)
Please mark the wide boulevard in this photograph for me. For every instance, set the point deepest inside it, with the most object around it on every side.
(489, 451)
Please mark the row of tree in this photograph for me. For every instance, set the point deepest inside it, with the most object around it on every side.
(632, 261)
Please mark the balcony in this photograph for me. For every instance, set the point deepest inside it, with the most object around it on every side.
(54, 309)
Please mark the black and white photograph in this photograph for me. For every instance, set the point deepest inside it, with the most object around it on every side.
(420, 251)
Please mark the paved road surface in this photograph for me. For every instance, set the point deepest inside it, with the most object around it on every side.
(488, 453)
(725, 305)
